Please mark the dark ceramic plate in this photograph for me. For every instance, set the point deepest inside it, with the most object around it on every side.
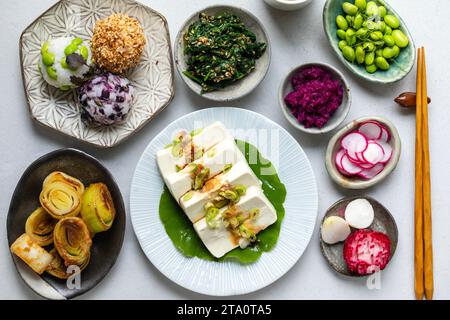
(383, 222)
(106, 245)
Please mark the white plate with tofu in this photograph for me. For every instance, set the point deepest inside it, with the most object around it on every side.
(202, 168)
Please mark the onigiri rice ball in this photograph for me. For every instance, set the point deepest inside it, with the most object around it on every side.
(106, 99)
(65, 61)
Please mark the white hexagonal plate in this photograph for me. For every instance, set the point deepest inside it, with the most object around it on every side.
(153, 78)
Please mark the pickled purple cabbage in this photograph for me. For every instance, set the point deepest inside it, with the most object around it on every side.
(316, 96)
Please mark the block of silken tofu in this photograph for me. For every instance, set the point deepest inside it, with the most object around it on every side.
(36, 257)
(206, 138)
(239, 174)
(220, 241)
(223, 154)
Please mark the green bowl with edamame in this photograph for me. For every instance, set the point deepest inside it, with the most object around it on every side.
(399, 67)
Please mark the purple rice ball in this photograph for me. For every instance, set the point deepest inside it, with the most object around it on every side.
(106, 99)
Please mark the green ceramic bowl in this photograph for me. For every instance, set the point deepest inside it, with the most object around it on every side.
(398, 70)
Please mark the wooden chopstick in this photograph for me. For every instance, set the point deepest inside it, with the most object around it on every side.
(427, 223)
(418, 197)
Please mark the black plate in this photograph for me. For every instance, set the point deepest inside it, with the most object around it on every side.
(106, 245)
(383, 222)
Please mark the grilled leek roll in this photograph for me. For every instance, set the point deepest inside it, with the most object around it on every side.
(61, 195)
(97, 208)
(36, 257)
(57, 268)
(39, 227)
(61, 176)
(72, 241)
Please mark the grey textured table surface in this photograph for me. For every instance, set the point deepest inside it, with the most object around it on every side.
(296, 37)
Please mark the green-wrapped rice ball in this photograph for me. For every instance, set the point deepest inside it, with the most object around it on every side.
(65, 62)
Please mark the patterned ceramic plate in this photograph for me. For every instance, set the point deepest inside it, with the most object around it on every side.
(153, 78)
(228, 278)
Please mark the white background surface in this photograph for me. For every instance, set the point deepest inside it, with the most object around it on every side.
(296, 38)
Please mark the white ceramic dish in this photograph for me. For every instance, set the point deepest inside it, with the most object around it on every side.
(288, 5)
(339, 115)
(354, 182)
(242, 87)
(228, 278)
(153, 78)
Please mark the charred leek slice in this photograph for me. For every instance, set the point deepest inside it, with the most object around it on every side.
(73, 241)
(76, 184)
(57, 268)
(36, 257)
(39, 227)
(61, 195)
(97, 208)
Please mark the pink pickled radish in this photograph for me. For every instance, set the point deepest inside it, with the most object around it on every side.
(371, 130)
(371, 173)
(374, 153)
(350, 167)
(355, 141)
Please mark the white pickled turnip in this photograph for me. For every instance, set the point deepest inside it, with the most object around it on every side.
(334, 229)
(359, 214)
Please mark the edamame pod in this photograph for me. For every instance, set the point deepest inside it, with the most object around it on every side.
(379, 52)
(77, 41)
(372, 9)
(357, 23)
(376, 35)
(370, 58)
(388, 30)
(362, 33)
(349, 8)
(392, 21)
(371, 68)
(350, 36)
(381, 63)
(341, 22)
(341, 34)
(369, 46)
(388, 53)
(361, 4)
(342, 44)
(389, 40)
(350, 20)
(360, 54)
(348, 53)
(382, 11)
(400, 38)
(396, 51)
(84, 52)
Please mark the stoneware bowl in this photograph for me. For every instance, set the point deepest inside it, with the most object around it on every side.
(339, 114)
(356, 182)
(242, 87)
(288, 5)
(383, 222)
(105, 246)
(398, 70)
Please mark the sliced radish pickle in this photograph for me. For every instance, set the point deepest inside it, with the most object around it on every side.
(371, 130)
(371, 173)
(387, 151)
(350, 167)
(355, 141)
(374, 153)
(385, 135)
(338, 158)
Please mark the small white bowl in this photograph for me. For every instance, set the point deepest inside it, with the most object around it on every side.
(239, 88)
(356, 182)
(339, 115)
(288, 5)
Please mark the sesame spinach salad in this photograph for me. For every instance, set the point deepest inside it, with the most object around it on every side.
(221, 50)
